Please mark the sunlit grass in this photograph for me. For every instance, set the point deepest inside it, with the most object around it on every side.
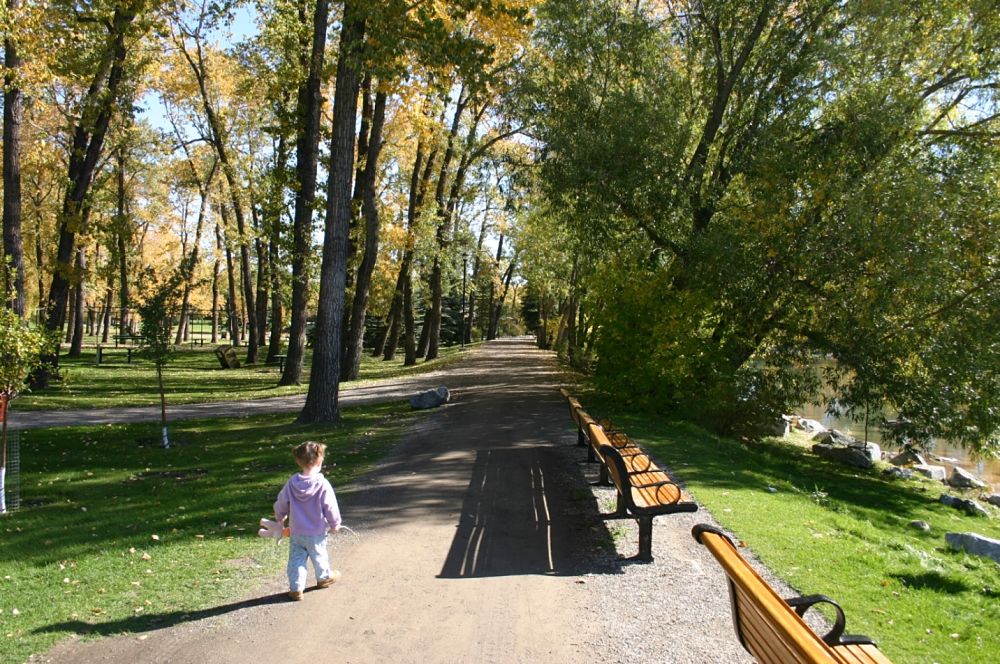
(845, 533)
(194, 375)
(117, 534)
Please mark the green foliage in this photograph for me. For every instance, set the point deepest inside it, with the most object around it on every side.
(764, 185)
(21, 346)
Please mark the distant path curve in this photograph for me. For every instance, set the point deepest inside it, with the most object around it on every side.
(390, 389)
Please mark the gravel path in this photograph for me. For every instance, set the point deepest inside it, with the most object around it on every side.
(479, 540)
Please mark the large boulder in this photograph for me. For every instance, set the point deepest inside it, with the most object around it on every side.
(800, 423)
(859, 456)
(834, 437)
(974, 544)
(430, 398)
(895, 472)
(932, 472)
(970, 507)
(908, 457)
(963, 479)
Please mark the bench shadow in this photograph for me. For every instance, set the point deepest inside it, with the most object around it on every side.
(155, 621)
(526, 511)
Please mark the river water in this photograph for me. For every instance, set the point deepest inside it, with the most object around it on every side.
(988, 470)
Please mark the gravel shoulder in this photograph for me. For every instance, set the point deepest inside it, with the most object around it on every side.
(478, 539)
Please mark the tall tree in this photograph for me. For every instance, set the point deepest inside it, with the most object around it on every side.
(324, 380)
(220, 140)
(13, 111)
(307, 113)
(88, 135)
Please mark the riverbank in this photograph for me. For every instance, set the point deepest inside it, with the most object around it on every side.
(845, 533)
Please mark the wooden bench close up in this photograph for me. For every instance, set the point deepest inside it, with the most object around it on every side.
(771, 628)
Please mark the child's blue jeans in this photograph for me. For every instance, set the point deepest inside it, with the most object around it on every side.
(300, 548)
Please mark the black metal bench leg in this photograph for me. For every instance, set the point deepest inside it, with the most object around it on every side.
(591, 454)
(645, 539)
(580, 439)
(603, 479)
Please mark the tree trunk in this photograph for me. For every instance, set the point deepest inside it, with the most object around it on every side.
(215, 297)
(369, 209)
(76, 344)
(277, 309)
(108, 299)
(307, 113)
(395, 323)
(324, 379)
(190, 262)
(261, 296)
(425, 332)
(231, 302)
(409, 343)
(367, 111)
(437, 285)
(123, 240)
(13, 111)
(98, 106)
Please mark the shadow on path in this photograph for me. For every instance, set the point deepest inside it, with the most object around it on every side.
(518, 517)
(151, 622)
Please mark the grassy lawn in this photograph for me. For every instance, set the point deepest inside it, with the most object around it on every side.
(117, 534)
(193, 376)
(844, 533)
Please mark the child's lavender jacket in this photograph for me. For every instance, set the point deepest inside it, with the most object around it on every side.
(311, 502)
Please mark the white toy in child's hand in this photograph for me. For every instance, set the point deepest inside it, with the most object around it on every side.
(271, 528)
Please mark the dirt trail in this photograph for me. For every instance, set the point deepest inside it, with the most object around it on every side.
(468, 546)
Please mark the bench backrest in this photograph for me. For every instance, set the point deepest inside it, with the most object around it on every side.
(766, 626)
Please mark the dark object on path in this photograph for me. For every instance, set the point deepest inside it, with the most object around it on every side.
(771, 628)
(430, 398)
(227, 357)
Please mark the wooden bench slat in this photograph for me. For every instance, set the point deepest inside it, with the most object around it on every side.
(768, 627)
(763, 637)
(862, 653)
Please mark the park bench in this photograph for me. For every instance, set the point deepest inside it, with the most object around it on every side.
(615, 437)
(126, 339)
(771, 628)
(645, 490)
(102, 351)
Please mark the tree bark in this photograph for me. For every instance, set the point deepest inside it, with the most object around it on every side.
(369, 209)
(13, 111)
(307, 112)
(231, 302)
(437, 285)
(324, 379)
(76, 344)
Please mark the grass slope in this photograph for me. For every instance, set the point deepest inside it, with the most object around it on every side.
(844, 533)
(118, 535)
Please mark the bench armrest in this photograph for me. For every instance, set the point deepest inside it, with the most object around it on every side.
(803, 604)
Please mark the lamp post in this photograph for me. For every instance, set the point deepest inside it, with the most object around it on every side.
(461, 327)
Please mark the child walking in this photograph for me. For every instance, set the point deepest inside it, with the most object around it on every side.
(308, 499)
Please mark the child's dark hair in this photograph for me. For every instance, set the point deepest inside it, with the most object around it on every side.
(308, 453)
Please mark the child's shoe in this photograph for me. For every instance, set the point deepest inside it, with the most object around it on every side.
(295, 595)
(328, 581)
